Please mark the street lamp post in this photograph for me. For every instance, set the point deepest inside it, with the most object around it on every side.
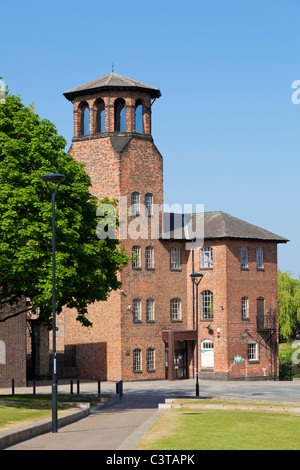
(53, 178)
(196, 279)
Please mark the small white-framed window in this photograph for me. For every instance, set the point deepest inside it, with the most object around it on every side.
(135, 203)
(136, 257)
(149, 310)
(252, 351)
(244, 258)
(175, 258)
(149, 257)
(207, 305)
(150, 359)
(259, 258)
(245, 308)
(136, 310)
(175, 309)
(137, 360)
(148, 204)
(206, 257)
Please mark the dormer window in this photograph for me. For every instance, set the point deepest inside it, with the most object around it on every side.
(120, 115)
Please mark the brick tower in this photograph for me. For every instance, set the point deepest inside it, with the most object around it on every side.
(112, 136)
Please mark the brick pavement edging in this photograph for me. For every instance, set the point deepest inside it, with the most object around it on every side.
(18, 434)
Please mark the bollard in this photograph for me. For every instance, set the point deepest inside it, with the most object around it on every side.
(119, 388)
(99, 387)
(12, 386)
(71, 387)
(77, 387)
(33, 385)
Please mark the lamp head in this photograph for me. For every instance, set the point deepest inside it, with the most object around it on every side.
(53, 178)
(196, 278)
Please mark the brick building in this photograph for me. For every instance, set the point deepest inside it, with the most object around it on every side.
(148, 330)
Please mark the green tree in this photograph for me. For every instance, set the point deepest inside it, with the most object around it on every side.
(86, 266)
(288, 304)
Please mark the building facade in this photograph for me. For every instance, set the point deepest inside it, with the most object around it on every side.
(149, 329)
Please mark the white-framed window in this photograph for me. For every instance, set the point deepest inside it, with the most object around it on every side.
(135, 203)
(207, 305)
(148, 204)
(252, 351)
(244, 258)
(149, 310)
(137, 360)
(175, 258)
(245, 308)
(136, 257)
(175, 309)
(150, 359)
(136, 310)
(259, 258)
(149, 257)
(206, 257)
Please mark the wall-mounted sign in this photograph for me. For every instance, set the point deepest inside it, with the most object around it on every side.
(237, 359)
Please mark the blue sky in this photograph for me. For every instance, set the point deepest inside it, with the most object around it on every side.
(225, 124)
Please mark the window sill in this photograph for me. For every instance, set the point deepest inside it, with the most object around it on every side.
(150, 269)
(206, 269)
(137, 371)
(136, 269)
(245, 319)
(151, 371)
(206, 319)
(176, 321)
(150, 321)
(244, 269)
(253, 361)
(260, 269)
(137, 321)
(175, 269)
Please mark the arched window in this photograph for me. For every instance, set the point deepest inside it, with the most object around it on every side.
(135, 203)
(2, 353)
(175, 310)
(244, 258)
(150, 360)
(139, 117)
(149, 310)
(100, 117)
(149, 257)
(245, 308)
(136, 310)
(137, 360)
(148, 204)
(136, 257)
(85, 120)
(207, 309)
(120, 115)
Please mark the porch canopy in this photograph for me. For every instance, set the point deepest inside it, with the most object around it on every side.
(170, 336)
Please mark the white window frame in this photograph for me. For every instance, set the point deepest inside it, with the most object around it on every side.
(175, 258)
(135, 203)
(149, 257)
(149, 310)
(136, 310)
(206, 257)
(150, 360)
(207, 305)
(259, 258)
(148, 204)
(175, 307)
(245, 308)
(252, 351)
(136, 253)
(137, 360)
(244, 258)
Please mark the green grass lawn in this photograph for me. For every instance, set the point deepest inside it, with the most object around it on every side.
(191, 429)
(18, 410)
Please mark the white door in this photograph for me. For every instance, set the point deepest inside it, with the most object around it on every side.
(207, 354)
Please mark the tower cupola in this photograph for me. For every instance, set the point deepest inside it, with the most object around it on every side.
(112, 104)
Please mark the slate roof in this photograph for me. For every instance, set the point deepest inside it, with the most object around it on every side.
(109, 81)
(217, 225)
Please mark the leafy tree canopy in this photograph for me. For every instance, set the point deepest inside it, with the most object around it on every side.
(86, 267)
(288, 304)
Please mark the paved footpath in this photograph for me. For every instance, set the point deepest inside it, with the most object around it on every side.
(120, 426)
